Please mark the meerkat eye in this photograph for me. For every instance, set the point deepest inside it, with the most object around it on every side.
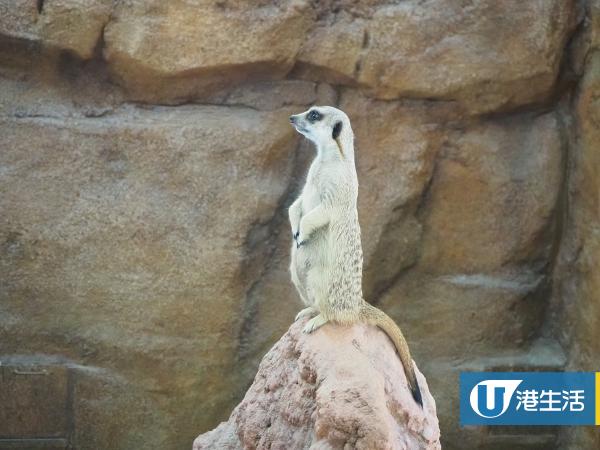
(314, 115)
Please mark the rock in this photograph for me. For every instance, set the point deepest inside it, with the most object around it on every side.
(177, 51)
(332, 51)
(18, 19)
(163, 51)
(271, 95)
(444, 50)
(66, 25)
(578, 274)
(337, 388)
(490, 180)
(74, 25)
(133, 231)
(594, 25)
(471, 264)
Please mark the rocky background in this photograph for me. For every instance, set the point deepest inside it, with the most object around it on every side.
(146, 164)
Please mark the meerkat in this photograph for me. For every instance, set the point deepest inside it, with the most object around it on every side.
(327, 260)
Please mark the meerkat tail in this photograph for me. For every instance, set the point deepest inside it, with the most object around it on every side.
(375, 316)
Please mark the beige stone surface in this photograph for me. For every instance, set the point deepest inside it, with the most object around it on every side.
(175, 49)
(105, 258)
(75, 25)
(172, 51)
(332, 51)
(493, 197)
(485, 54)
(340, 387)
(18, 19)
(594, 25)
(66, 25)
(580, 253)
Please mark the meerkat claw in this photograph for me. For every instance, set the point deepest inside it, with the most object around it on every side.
(304, 313)
(314, 324)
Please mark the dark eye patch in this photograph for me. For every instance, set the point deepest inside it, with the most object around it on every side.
(314, 116)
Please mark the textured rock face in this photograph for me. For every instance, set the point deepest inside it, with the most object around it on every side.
(486, 54)
(144, 247)
(342, 387)
(484, 186)
(64, 25)
(166, 51)
(580, 253)
(170, 49)
(117, 186)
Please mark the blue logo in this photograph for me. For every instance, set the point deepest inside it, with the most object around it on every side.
(528, 398)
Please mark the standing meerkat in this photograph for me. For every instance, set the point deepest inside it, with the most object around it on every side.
(327, 260)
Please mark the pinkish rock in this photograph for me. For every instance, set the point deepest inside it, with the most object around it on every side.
(340, 387)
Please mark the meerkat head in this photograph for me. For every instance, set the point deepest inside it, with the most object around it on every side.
(328, 127)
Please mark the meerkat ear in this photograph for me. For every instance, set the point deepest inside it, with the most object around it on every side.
(337, 129)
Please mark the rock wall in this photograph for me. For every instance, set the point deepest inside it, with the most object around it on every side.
(146, 164)
(577, 279)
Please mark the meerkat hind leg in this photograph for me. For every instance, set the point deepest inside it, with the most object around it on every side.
(314, 324)
(306, 312)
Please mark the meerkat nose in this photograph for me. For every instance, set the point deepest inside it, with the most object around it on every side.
(292, 119)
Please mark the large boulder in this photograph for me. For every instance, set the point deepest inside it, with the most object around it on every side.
(74, 26)
(170, 50)
(340, 387)
(494, 194)
(486, 54)
(129, 241)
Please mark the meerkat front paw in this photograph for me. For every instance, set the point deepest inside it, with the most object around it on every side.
(296, 235)
(305, 313)
(301, 239)
(314, 324)
(303, 233)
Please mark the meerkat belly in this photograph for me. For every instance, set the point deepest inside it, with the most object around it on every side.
(330, 265)
(309, 256)
(312, 263)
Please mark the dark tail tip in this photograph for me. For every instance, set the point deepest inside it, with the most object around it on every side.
(416, 393)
